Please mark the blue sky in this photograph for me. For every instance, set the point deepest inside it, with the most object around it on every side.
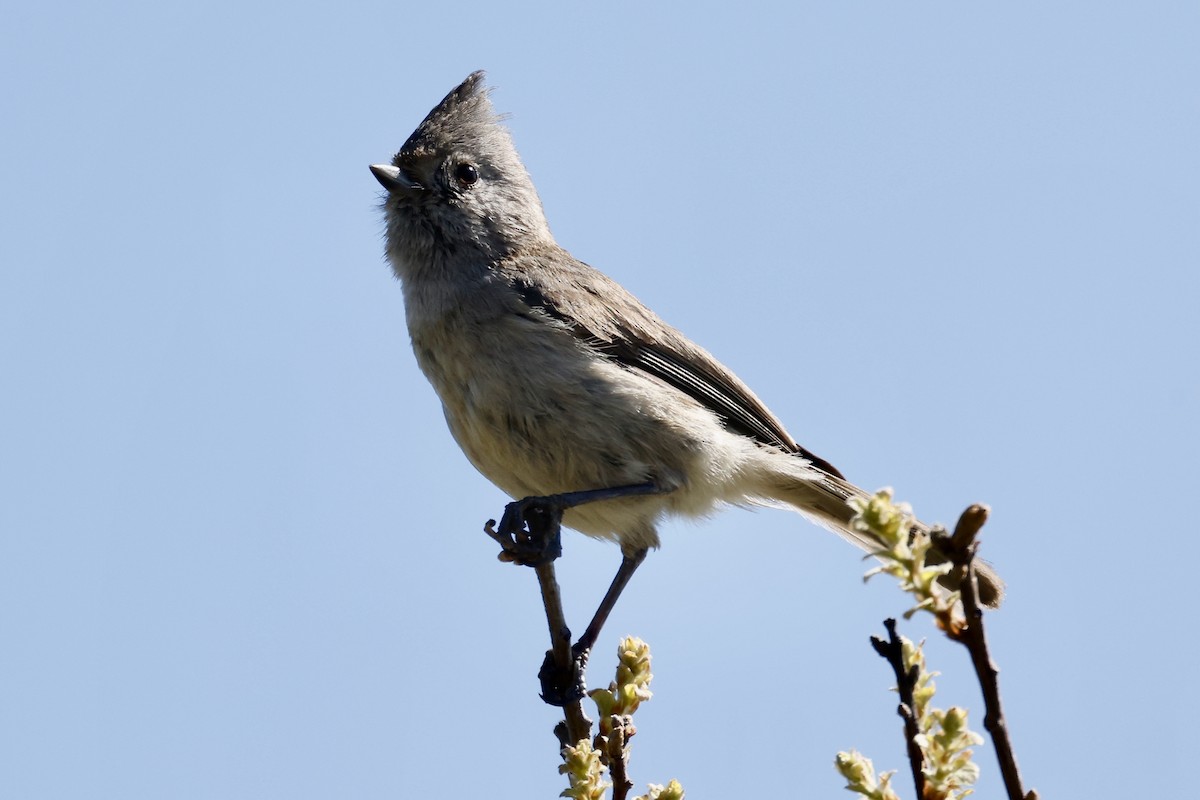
(953, 246)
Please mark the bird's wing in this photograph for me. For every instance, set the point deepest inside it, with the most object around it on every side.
(608, 319)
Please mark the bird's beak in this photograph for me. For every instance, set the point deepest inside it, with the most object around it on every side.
(395, 181)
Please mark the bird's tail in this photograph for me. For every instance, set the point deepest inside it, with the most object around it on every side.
(824, 499)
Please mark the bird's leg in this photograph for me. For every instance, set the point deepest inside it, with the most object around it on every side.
(530, 534)
(563, 683)
(629, 564)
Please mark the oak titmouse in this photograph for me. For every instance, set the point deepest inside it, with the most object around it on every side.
(554, 378)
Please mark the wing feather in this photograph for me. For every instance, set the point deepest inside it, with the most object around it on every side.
(607, 318)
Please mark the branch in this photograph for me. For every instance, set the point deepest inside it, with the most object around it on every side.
(617, 753)
(538, 547)
(577, 725)
(906, 682)
(960, 548)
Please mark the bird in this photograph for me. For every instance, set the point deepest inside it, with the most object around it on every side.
(558, 384)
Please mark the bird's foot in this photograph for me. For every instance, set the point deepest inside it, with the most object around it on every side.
(530, 531)
(562, 686)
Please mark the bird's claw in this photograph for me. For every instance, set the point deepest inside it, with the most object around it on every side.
(561, 687)
(529, 531)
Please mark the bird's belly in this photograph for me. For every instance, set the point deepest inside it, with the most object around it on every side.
(537, 413)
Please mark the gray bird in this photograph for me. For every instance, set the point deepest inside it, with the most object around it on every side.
(554, 379)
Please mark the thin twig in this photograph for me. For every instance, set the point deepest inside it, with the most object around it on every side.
(906, 681)
(617, 758)
(578, 726)
(961, 548)
(535, 541)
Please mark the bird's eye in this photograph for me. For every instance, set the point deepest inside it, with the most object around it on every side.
(466, 174)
